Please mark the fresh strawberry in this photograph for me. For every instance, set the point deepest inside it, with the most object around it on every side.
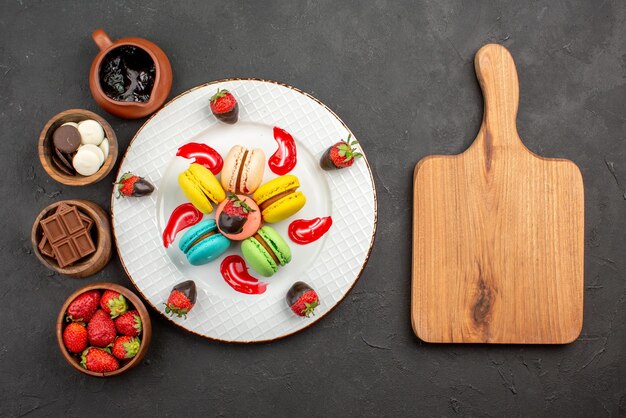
(224, 106)
(132, 185)
(181, 299)
(129, 324)
(302, 299)
(75, 337)
(99, 360)
(126, 347)
(113, 303)
(101, 329)
(340, 155)
(83, 307)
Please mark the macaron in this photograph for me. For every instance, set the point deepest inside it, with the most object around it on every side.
(265, 251)
(243, 170)
(201, 187)
(91, 132)
(203, 243)
(279, 199)
(238, 217)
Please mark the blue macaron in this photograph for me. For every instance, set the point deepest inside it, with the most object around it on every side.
(203, 243)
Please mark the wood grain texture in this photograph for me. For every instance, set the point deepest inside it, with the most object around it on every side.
(498, 232)
(86, 266)
(45, 147)
(146, 331)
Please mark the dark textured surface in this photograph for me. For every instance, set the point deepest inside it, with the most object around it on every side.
(400, 75)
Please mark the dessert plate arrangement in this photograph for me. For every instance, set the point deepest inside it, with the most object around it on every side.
(330, 264)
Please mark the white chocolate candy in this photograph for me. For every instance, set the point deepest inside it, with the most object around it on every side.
(74, 124)
(95, 149)
(104, 146)
(86, 163)
(91, 132)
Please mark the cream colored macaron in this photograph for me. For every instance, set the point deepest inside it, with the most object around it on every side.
(243, 170)
(91, 132)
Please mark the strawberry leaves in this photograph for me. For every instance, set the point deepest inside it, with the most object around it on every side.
(174, 310)
(309, 308)
(238, 203)
(346, 149)
(219, 95)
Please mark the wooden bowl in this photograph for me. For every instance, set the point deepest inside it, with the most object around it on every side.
(100, 234)
(46, 148)
(146, 333)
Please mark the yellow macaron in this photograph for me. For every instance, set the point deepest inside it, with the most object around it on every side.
(201, 187)
(278, 198)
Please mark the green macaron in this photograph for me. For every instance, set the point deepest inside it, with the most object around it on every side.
(265, 251)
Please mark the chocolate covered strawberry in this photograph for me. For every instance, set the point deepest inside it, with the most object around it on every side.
(340, 155)
(129, 324)
(101, 329)
(132, 185)
(181, 299)
(302, 299)
(126, 347)
(75, 337)
(224, 106)
(234, 215)
(113, 303)
(84, 306)
(99, 360)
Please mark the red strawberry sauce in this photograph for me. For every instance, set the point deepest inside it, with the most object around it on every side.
(235, 272)
(182, 217)
(203, 155)
(306, 231)
(285, 157)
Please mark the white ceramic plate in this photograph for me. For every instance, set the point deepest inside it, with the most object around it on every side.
(330, 265)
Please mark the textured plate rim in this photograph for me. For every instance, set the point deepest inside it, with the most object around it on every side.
(180, 325)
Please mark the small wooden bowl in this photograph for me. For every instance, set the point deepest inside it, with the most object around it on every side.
(146, 333)
(46, 148)
(100, 234)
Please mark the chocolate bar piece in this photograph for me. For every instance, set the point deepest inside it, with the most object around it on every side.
(87, 221)
(65, 252)
(53, 228)
(45, 247)
(63, 207)
(83, 243)
(66, 235)
(72, 221)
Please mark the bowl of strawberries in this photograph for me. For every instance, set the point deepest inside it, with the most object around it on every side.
(103, 330)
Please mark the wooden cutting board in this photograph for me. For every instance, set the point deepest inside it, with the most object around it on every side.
(498, 235)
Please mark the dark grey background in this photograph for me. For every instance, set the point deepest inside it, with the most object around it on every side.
(400, 74)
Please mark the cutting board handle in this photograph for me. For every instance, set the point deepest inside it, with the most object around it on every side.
(497, 76)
